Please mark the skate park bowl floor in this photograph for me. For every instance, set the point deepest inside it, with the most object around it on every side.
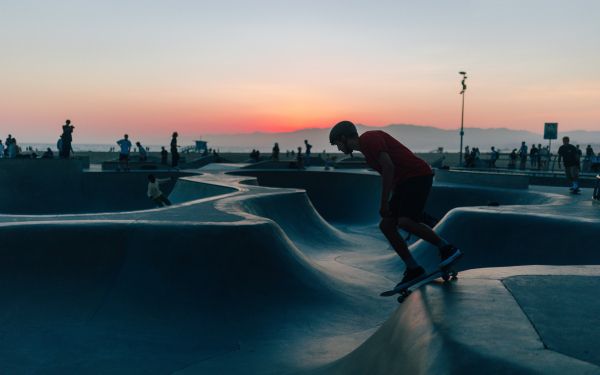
(95, 192)
(257, 281)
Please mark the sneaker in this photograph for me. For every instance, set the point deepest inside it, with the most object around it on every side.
(448, 255)
(411, 276)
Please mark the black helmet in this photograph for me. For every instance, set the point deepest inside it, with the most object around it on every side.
(343, 128)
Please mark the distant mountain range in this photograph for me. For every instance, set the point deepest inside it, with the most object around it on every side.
(417, 138)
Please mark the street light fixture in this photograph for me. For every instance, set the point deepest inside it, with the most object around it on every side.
(462, 117)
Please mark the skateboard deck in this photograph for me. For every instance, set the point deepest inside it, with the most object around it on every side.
(446, 273)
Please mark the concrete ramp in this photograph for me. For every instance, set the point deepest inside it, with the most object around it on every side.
(147, 298)
(478, 325)
(496, 238)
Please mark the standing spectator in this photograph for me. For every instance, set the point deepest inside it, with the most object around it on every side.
(466, 156)
(275, 154)
(589, 152)
(125, 145)
(539, 156)
(579, 156)
(174, 151)
(568, 153)
(299, 159)
(533, 156)
(13, 148)
(308, 148)
(544, 156)
(512, 162)
(7, 145)
(141, 151)
(493, 157)
(1, 149)
(164, 154)
(523, 155)
(67, 138)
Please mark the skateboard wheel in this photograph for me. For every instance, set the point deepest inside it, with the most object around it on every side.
(445, 277)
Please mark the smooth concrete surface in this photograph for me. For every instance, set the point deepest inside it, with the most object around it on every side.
(553, 305)
(473, 178)
(243, 278)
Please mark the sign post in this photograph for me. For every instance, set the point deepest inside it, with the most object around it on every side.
(550, 133)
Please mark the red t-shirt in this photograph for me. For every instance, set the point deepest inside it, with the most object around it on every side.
(406, 164)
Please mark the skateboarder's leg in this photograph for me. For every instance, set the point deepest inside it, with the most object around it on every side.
(390, 231)
(420, 230)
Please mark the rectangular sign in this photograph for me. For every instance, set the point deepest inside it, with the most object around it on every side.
(551, 130)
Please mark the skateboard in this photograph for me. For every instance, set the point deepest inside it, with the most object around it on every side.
(447, 273)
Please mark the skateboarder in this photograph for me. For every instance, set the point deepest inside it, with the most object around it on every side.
(154, 192)
(568, 153)
(408, 180)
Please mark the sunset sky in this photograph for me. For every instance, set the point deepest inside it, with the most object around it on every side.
(202, 67)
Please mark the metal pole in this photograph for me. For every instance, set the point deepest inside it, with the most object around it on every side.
(462, 132)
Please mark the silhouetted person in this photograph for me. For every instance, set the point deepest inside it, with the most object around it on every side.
(154, 191)
(67, 138)
(568, 153)
(299, 159)
(48, 154)
(164, 154)
(13, 149)
(493, 157)
(275, 154)
(405, 178)
(512, 161)
(141, 151)
(523, 156)
(307, 151)
(174, 151)
(125, 149)
(7, 145)
(533, 156)
(589, 152)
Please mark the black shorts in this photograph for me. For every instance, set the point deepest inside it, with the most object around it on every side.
(410, 196)
(123, 157)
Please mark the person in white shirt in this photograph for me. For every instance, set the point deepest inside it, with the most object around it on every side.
(154, 190)
(125, 145)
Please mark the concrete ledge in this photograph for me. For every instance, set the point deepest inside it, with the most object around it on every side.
(482, 179)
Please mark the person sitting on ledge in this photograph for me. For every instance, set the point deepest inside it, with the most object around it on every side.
(48, 154)
(407, 179)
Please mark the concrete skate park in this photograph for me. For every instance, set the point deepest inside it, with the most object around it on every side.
(278, 271)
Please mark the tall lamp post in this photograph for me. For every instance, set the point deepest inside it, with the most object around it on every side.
(462, 117)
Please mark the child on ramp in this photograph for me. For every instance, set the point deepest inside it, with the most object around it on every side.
(407, 179)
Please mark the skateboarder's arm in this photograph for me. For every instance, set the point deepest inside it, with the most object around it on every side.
(387, 181)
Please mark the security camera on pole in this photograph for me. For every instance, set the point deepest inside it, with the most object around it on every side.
(462, 117)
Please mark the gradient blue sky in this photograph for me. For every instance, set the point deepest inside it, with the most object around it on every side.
(151, 67)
